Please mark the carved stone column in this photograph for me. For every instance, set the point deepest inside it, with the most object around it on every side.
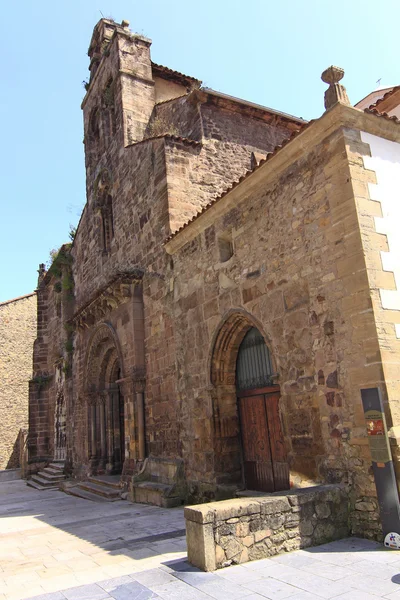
(139, 384)
(116, 455)
(110, 466)
(102, 427)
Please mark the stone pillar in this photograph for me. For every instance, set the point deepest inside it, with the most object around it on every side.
(92, 425)
(139, 384)
(116, 450)
(103, 438)
(141, 434)
(110, 432)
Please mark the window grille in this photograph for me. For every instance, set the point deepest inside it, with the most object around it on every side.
(253, 365)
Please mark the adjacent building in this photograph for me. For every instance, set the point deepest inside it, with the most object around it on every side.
(17, 334)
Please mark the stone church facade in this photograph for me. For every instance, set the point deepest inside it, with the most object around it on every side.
(228, 292)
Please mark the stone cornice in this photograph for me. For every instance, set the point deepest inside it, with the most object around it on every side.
(114, 293)
(339, 116)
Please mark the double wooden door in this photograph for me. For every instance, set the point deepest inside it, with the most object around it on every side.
(264, 456)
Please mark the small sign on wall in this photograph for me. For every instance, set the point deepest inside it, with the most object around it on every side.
(382, 465)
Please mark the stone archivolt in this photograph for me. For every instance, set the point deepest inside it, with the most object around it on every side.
(103, 354)
(118, 291)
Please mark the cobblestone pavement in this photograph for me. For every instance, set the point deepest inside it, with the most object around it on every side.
(57, 547)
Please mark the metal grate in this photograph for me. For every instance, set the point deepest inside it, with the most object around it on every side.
(253, 365)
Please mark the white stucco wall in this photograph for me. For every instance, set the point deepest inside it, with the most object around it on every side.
(385, 161)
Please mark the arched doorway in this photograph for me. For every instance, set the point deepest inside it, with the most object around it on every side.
(249, 447)
(106, 411)
(265, 467)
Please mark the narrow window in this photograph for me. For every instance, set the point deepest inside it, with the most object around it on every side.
(108, 224)
(94, 129)
(225, 248)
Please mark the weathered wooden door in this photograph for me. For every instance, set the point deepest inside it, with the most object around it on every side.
(264, 456)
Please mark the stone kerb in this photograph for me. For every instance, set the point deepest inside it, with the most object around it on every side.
(235, 531)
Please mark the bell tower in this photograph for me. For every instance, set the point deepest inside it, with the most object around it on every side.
(119, 96)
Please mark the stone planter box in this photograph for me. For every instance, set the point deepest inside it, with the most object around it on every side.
(235, 531)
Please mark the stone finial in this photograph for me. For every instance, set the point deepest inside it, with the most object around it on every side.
(124, 23)
(42, 272)
(336, 92)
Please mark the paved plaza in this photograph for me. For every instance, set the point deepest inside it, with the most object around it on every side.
(57, 547)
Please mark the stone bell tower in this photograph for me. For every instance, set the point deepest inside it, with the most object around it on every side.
(120, 92)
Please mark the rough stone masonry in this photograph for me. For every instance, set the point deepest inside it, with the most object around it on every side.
(17, 334)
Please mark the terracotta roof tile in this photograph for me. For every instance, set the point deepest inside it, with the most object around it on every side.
(375, 111)
(385, 97)
(173, 73)
(241, 179)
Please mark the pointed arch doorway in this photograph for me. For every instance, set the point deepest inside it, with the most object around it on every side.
(105, 403)
(249, 445)
(265, 467)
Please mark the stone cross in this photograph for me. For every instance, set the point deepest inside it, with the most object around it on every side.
(336, 92)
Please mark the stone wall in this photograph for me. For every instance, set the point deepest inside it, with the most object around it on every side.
(51, 362)
(17, 334)
(298, 274)
(236, 531)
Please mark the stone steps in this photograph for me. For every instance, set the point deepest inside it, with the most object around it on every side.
(97, 489)
(86, 495)
(101, 490)
(113, 484)
(48, 478)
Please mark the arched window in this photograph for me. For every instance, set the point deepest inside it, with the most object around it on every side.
(253, 365)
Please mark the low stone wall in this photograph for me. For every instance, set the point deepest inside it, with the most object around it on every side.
(10, 475)
(235, 531)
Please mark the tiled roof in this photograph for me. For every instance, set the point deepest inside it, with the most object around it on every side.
(375, 111)
(371, 110)
(242, 178)
(222, 96)
(175, 74)
(384, 97)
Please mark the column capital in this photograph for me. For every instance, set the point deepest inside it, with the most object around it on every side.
(139, 378)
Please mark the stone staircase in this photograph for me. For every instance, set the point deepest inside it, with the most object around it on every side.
(100, 488)
(48, 478)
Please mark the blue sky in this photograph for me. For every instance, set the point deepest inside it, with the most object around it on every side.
(268, 52)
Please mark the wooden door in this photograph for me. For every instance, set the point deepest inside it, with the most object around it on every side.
(278, 452)
(264, 456)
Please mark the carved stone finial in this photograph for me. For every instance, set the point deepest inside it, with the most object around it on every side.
(42, 272)
(336, 92)
(125, 23)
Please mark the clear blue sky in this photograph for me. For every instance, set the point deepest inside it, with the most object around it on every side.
(270, 52)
